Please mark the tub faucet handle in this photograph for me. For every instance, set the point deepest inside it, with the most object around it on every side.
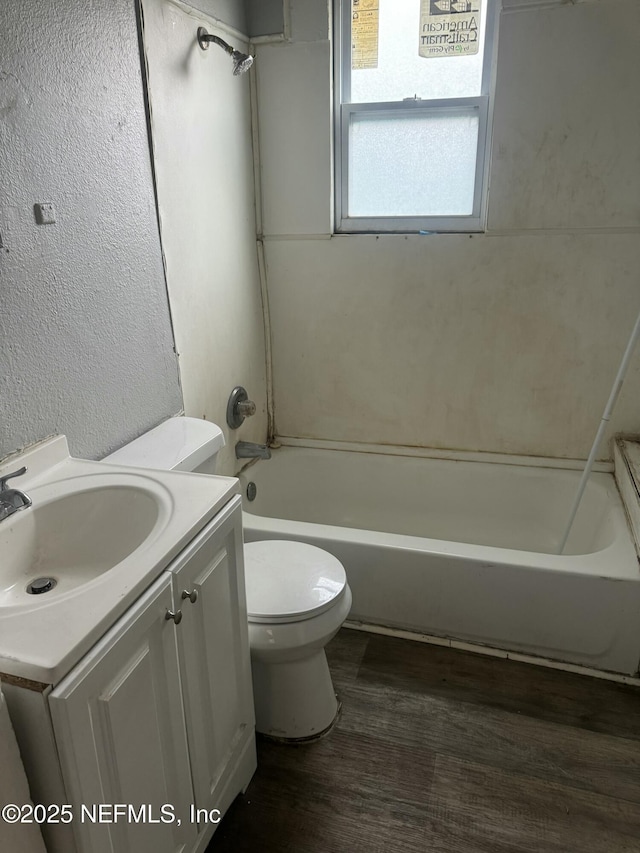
(239, 407)
(246, 408)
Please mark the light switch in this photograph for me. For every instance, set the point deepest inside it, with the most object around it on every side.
(45, 213)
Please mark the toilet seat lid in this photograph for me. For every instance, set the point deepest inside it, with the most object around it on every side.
(290, 581)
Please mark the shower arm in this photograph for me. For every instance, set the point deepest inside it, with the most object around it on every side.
(205, 38)
(241, 61)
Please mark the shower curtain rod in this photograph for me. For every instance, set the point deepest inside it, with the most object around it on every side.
(608, 409)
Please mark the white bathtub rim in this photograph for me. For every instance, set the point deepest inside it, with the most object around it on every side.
(620, 554)
(492, 651)
(437, 453)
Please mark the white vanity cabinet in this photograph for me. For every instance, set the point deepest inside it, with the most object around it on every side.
(213, 647)
(119, 729)
(160, 712)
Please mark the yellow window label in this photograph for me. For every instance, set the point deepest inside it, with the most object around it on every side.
(365, 20)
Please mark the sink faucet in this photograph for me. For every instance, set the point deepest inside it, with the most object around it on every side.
(249, 450)
(12, 500)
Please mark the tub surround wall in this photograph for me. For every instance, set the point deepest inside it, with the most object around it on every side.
(201, 131)
(496, 344)
(265, 17)
(627, 473)
(504, 342)
(85, 337)
(231, 13)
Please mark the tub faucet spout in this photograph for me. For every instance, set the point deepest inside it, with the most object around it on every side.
(249, 450)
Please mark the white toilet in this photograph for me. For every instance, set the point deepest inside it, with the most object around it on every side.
(297, 596)
(297, 599)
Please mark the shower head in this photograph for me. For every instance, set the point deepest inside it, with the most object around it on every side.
(241, 61)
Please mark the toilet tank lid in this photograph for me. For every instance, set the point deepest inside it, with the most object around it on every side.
(179, 444)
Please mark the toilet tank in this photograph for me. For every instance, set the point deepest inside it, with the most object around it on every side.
(179, 444)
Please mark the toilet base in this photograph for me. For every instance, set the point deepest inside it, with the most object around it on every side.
(294, 700)
(301, 741)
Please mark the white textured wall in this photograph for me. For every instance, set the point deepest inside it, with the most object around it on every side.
(505, 342)
(203, 157)
(85, 340)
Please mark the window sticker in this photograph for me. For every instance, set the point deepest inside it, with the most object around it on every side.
(365, 16)
(449, 27)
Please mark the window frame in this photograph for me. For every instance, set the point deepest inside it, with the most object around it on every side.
(344, 110)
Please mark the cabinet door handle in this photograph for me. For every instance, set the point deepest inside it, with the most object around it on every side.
(192, 596)
(176, 616)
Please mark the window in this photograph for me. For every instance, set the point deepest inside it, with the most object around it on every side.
(412, 101)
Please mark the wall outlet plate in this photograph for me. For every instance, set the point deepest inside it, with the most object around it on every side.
(45, 213)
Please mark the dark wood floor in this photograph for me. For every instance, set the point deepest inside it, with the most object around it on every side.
(449, 752)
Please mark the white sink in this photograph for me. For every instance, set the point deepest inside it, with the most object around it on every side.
(88, 527)
(95, 538)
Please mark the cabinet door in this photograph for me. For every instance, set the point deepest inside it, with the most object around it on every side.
(119, 728)
(214, 649)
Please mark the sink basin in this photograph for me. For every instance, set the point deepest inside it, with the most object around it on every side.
(69, 539)
(96, 537)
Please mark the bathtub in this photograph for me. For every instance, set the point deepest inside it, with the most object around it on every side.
(463, 550)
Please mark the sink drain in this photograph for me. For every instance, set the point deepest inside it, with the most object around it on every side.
(40, 585)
